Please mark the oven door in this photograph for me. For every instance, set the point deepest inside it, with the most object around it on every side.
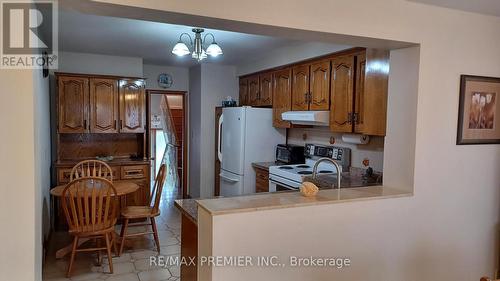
(281, 184)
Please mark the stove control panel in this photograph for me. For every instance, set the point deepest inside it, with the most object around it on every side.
(341, 154)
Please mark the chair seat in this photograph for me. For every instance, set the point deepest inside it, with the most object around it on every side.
(92, 231)
(134, 212)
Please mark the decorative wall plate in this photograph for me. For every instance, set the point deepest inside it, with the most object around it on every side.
(165, 80)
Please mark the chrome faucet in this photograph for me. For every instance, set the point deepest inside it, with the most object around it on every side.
(337, 166)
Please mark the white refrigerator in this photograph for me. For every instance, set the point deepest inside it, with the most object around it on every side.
(246, 135)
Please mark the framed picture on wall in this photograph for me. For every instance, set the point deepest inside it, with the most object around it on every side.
(479, 110)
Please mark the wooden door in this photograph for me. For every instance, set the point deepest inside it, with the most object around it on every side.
(282, 96)
(265, 89)
(253, 90)
(132, 106)
(73, 100)
(217, 164)
(300, 87)
(243, 91)
(342, 94)
(103, 105)
(359, 95)
(319, 95)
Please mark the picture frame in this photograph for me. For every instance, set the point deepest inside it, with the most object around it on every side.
(479, 110)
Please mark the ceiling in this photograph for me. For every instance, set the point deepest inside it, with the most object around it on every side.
(153, 41)
(488, 7)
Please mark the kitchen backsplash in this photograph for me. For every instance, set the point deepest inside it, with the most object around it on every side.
(361, 154)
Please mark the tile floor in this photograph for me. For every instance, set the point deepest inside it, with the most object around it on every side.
(133, 264)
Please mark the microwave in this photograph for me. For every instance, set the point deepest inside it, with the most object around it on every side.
(290, 154)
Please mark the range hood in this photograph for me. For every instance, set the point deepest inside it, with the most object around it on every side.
(314, 118)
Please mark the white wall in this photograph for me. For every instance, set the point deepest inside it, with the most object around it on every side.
(42, 153)
(209, 85)
(195, 137)
(20, 203)
(289, 54)
(100, 64)
(180, 77)
(449, 229)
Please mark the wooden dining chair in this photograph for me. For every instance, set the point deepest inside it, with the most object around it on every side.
(91, 168)
(90, 207)
(144, 212)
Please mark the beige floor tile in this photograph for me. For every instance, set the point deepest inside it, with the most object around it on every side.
(144, 254)
(175, 271)
(170, 250)
(154, 275)
(119, 268)
(124, 277)
(146, 265)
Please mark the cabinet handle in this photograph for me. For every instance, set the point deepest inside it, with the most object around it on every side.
(121, 124)
(355, 118)
(306, 97)
(116, 124)
(85, 124)
(349, 117)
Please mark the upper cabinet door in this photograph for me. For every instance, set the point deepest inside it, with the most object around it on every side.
(253, 90)
(103, 105)
(266, 89)
(359, 95)
(342, 94)
(73, 96)
(282, 96)
(320, 86)
(300, 87)
(243, 91)
(132, 106)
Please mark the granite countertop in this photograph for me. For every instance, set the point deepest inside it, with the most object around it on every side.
(266, 165)
(354, 178)
(189, 208)
(277, 200)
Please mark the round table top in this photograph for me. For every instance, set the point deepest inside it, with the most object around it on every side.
(122, 188)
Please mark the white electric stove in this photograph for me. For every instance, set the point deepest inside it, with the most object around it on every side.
(290, 177)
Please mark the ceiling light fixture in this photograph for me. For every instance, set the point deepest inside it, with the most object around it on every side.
(199, 52)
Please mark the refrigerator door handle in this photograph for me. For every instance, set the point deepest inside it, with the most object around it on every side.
(227, 178)
(219, 152)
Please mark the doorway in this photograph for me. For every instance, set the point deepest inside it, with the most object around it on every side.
(177, 104)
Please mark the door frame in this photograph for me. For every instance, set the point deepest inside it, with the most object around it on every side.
(185, 129)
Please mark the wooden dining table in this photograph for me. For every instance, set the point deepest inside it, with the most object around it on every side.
(122, 189)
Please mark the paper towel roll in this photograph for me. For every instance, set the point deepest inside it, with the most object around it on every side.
(355, 138)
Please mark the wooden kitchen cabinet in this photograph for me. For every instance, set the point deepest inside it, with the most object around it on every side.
(359, 94)
(103, 105)
(253, 90)
(265, 97)
(319, 89)
(300, 87)
(342, 94)
(243, 94)
(261, 180)
(351, 84)
(132, 106)
(257, 90)
(282, 96)
(73, 104)
(376, 80)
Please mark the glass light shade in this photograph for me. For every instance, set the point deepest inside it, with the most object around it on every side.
(214, 50)
(180, 49)
(203, 55)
